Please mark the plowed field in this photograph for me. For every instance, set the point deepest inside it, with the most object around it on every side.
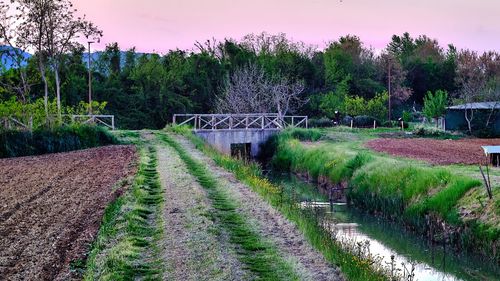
(51, 207)
(441, 152)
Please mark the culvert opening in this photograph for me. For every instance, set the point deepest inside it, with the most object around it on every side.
(241, 150)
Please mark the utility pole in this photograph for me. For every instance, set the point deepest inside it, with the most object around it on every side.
(389, 87)
(90, 82)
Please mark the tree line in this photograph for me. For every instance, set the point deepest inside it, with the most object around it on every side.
(145, 90)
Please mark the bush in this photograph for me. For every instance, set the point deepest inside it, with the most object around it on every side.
(320, 123)
(406, 116)
(60, 139)
(347, 120)
(365, 121)
(426, 131)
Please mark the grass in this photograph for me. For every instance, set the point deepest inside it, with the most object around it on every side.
(410, 191)
(126, 245)
(259, 256)
(352, 266)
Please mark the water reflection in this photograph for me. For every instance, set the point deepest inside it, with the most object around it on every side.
(431, 262)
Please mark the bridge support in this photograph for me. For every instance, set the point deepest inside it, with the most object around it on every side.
(223, 140)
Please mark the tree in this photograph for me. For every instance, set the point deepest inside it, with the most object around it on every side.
(334, 101)
(250, 90)
(61, 29)
(478, 79)
(13, 50)
(435, 105)
(395, 76)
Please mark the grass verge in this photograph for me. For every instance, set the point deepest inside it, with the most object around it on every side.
(352, 266)
(260, 256)
(125, 247)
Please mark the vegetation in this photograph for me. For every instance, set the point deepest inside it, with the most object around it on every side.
(259, 256)
(354, 267)
(145, 90)
(14, 143)
(408, 191)
(126, 247)
(435, 105)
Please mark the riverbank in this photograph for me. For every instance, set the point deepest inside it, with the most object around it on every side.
(445, 203)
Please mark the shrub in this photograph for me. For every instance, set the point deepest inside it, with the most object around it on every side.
(320, 123)
(365, 121)
(406, 116)
(425, 131)
(60, 139)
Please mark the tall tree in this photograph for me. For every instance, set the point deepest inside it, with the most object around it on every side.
(61, 30)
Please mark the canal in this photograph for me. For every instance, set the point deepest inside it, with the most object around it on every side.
(387, 240)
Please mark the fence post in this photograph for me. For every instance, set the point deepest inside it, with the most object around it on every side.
(113, 122)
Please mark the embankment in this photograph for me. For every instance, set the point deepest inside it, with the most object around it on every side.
(423, 198)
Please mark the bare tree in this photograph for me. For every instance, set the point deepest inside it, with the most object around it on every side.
(250, 90)
(30, 18)
(471, 81)
(62, 29)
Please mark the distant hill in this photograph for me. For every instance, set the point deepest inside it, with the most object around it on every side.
(6, 61)
(6, 53)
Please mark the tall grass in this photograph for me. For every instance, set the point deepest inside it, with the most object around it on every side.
(61, 139)
(352, 266)
(258, 255)
(415, 195)
(126, 245)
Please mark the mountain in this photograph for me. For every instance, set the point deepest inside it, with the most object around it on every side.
(6, 54)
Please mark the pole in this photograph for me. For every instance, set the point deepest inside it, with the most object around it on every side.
(389, 88)
(90, 82)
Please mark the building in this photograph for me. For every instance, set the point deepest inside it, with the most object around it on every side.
(455, 117)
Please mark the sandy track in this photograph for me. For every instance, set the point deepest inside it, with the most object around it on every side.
(310, 264)
(193, 248)
(51, 207)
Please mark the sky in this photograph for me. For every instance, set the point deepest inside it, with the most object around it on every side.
(162, 25)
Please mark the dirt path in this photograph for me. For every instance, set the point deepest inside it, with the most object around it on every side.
(310, 264)
(194, 248)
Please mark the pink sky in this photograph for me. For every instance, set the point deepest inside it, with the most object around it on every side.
(161, 25)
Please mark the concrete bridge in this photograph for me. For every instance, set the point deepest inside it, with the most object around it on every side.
(238, 134)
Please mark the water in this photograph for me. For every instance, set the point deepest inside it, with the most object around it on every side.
(431, 262)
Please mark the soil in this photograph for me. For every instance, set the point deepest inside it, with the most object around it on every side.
(440, 152)
(51, 207)
(193, 247)
(309, 263)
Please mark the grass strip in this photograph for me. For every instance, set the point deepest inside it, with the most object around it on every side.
(352, 266)
(125, 247)
(259, 256)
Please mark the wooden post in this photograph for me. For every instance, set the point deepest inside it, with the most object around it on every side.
(352, 123)
(307, 122)
(374, 124)
(113, 122)
(173, 119)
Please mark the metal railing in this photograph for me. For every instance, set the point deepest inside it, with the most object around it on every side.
(257, 121)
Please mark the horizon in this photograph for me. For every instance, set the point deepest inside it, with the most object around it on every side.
(160, 26)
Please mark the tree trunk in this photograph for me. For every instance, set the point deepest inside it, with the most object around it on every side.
(46, 92)
(469, 120)
(58, 92)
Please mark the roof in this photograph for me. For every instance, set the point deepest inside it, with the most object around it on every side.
(489, 149)
(478, 105)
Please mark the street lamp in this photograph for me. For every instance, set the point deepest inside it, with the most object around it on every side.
(90, 82)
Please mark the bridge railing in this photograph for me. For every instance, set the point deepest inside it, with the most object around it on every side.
(262, 121)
